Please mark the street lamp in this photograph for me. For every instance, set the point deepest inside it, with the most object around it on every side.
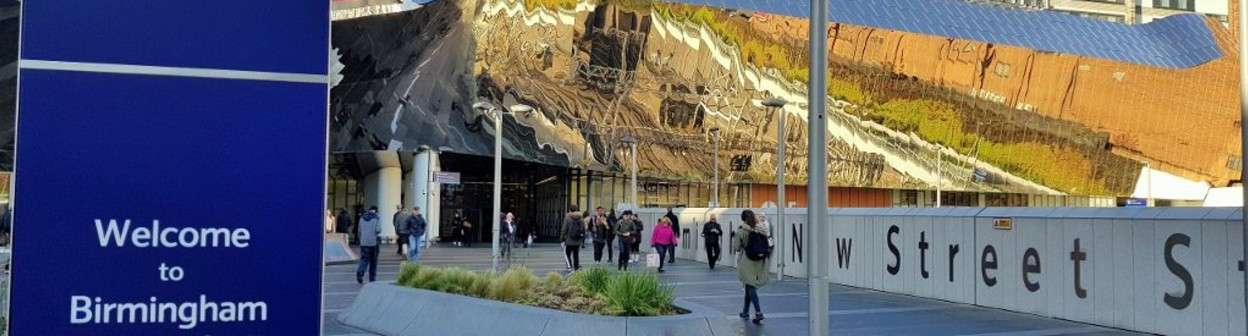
(632, 193)
(715, 191)
(939, 177)
(1148, 170)
(778, 104)
(1243, 116)
(498, 166)
(817, 221)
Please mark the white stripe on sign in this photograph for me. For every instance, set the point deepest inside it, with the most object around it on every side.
(172, 71)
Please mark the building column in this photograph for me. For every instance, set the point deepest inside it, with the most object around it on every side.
(423, 192)
(383, 189)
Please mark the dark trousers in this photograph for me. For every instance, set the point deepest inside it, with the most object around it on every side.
(368, 260)
(572, 255)
(663, 251)
(610, 249)
(751, 296)
(402, 241)
(712, 253)
(624, 255)
(598, 245)
(671, 253)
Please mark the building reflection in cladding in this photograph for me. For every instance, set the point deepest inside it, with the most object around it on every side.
(977, 111)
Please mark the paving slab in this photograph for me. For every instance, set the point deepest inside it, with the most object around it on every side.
(854, 311)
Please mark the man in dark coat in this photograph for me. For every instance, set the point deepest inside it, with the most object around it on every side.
(676, 229)
(711, 231)
(344, 222)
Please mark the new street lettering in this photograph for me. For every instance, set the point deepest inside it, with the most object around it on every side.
(1032, 264)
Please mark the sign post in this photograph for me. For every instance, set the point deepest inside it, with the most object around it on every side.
(171, 168)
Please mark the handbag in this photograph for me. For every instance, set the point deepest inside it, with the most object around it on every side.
(652, 260)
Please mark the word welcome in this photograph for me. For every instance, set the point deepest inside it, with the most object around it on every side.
(155, 236)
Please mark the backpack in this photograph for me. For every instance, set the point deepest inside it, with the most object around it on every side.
(577, 232)
(756, 247)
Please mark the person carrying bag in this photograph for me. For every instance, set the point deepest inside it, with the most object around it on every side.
(662, 239)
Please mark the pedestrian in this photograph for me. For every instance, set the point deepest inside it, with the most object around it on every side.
(6, 226)
(625, 230)
(588, 219)
(370, 228)
(671, 216)
(330, 221)
(601, 231)
(457, 231)
(416, 226)
(635, 247)
(663, 239)
(752, 262)
(400, 228)
(466, 232)
(526, 234)
(611, 220)
(762, 221)
(572, 234)
(344, 222)
(509, 232)
(711, 232)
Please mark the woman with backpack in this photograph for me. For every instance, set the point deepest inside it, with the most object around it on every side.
(663, 239)
(572, 234)
(752, 258)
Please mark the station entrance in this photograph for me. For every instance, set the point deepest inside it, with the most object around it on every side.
(535, 193)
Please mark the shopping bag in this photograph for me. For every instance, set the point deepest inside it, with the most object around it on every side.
(652, 260)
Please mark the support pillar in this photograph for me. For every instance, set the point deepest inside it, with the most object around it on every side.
(383, 189)
(424, 192)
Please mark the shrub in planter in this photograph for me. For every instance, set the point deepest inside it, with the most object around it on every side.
(638, 294)
(510, 286)
(592, 291)
(553, 279)
(455, 280)
(480, 286)
(593, 280)
(407, 275)
(565, 296)
(426, 278)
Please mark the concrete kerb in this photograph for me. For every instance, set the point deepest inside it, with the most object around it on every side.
(391, 310)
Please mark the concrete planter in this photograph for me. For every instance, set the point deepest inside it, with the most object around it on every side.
(392, 310)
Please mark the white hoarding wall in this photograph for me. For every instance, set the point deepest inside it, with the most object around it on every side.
(1173, 271)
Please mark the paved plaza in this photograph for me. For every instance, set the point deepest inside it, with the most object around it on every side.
(854, 311)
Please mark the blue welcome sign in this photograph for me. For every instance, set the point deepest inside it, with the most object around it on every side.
(170, 168)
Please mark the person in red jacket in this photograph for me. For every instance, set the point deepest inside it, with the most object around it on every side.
(662, 239)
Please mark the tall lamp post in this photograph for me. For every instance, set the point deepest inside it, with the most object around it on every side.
(632, 185)
(1243, 113)
(817, 222)
(715, 191)
(778, 104)
(940, 178)
(490, 109)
